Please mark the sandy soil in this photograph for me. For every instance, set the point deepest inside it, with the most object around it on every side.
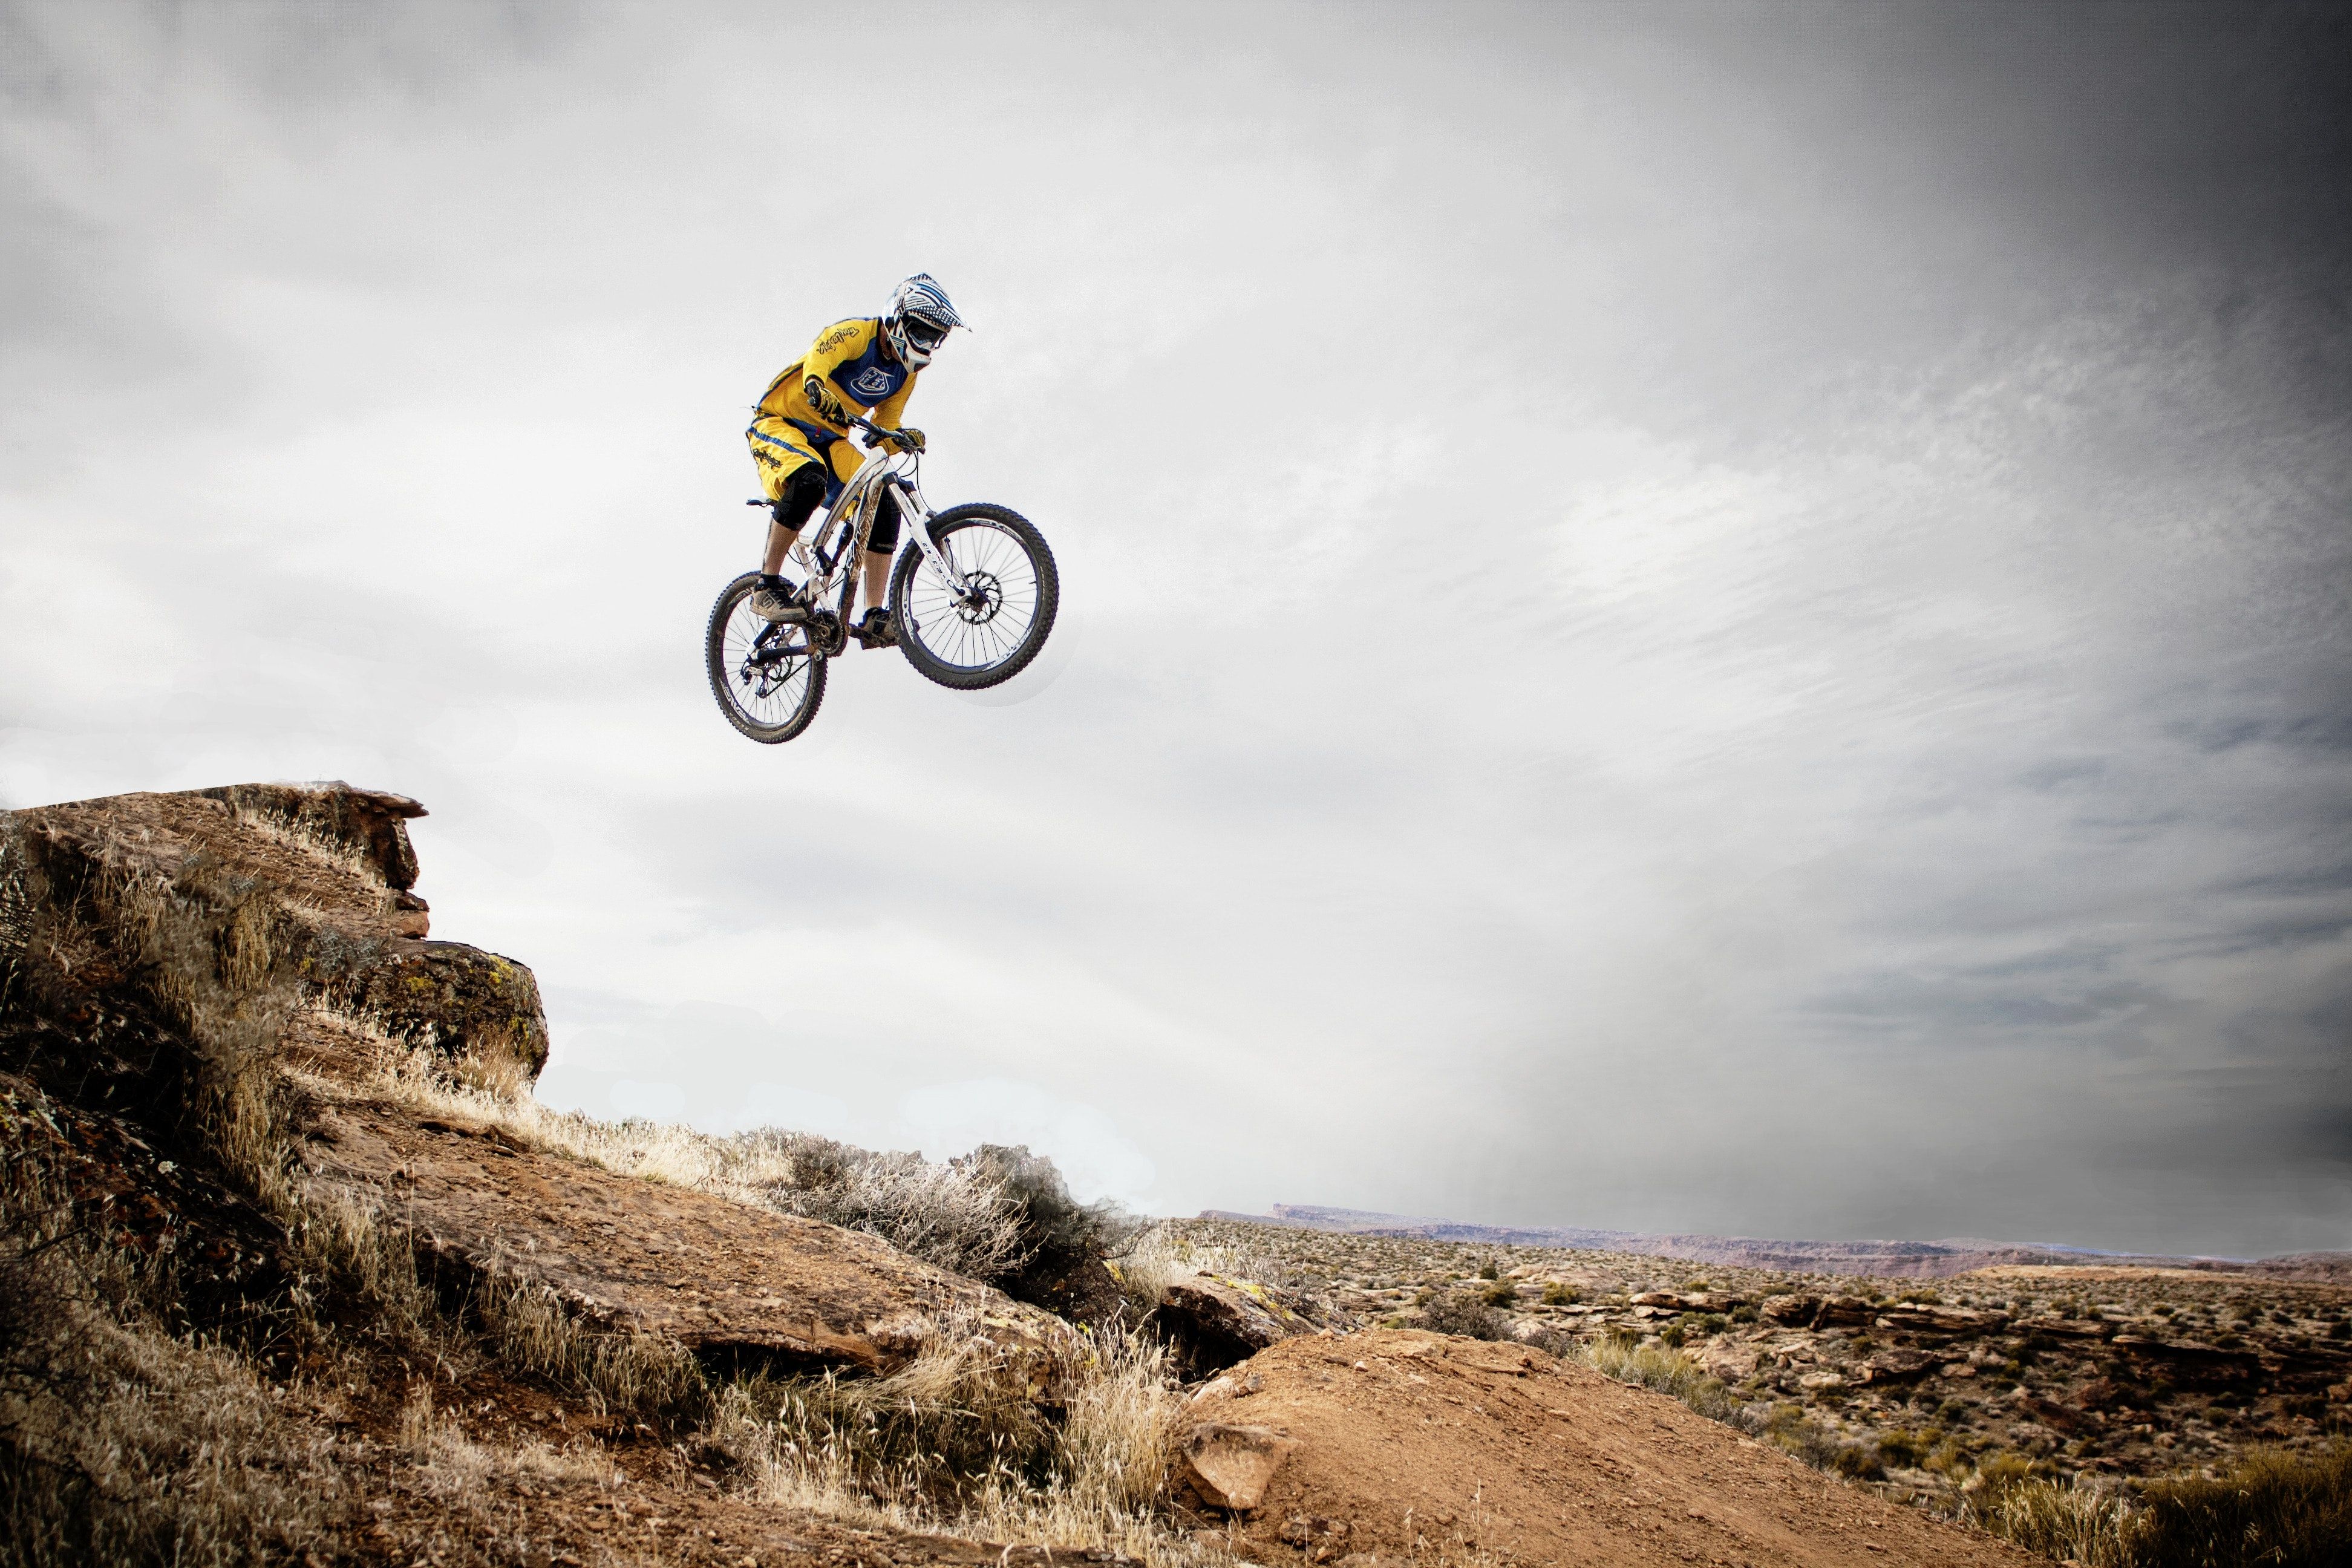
(1448, 1449)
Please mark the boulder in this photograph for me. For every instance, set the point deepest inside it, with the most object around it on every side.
(369, 825)
(1689, 1301)
(1789, 1308)
(2191, 1361)
(2068, 1328)
(454, 999)
(1215, 1322)
(1910, 1317)
(1899, 1366)
(1231, 1465)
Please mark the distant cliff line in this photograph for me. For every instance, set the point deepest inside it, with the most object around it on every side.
(1921, 1259)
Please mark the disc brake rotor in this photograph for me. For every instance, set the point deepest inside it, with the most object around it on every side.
(987, 597)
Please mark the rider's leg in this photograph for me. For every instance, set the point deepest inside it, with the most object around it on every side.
(881, 546)
(800, 495)
(780, 541)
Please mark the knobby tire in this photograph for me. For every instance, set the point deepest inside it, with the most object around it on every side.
(974, 677)
(720, 662)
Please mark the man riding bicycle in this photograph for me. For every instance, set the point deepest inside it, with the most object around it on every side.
(797, 436)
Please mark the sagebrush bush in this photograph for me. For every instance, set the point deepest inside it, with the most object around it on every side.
(1468, 1312)
(1061, 1240)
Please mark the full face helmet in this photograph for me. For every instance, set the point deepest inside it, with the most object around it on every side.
(918, 320)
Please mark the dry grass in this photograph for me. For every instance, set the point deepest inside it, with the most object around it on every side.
(2272, 1509)
(2081, 1523)
(123, 1444)
(1669, 1372)
(615, 1370)
(451, 1462)
(953, 1216)
(956, 1443)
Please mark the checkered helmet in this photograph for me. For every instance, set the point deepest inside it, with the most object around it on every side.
(918, 320)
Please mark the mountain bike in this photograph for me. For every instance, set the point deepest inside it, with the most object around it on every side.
(972, 597)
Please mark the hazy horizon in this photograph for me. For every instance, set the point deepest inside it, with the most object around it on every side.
(1722, 617)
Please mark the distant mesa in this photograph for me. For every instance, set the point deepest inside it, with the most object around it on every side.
(1919, 1260)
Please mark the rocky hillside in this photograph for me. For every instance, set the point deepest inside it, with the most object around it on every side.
(1919, 1389)
(1881, 1259)
(294, 1270)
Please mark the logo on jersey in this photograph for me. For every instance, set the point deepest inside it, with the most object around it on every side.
(871, 382)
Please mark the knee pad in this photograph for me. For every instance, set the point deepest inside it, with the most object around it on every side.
(883, 539)
(802, 493)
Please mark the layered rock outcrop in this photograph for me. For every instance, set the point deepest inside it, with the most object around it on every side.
(170, 960)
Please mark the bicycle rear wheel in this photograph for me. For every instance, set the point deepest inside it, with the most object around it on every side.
(767, 678)
(990, 634)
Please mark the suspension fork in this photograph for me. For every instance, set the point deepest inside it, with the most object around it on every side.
(912, 511)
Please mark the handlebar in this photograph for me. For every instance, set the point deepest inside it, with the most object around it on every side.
(875, 434)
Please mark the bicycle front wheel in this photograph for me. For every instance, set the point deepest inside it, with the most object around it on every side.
(988, 631)
(767, 678)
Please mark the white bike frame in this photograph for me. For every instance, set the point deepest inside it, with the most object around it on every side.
(860, 499)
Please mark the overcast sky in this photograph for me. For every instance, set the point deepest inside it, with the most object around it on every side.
(1720, 617)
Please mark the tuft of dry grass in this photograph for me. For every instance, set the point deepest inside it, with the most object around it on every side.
(956, 1442)
(1669, 1372)
(618, 1370)
(2076, 1522)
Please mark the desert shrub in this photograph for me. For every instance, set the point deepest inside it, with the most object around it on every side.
(1859, 1462)
(1669, 1372)
(1490, 1269)
(962, 1217)
(1151, 1260)
(1063, 1242)
(2275, 1507)
(1467, 1312)
(1744, 1314)
(1002, 1215)
(1787, 1427)
(1499, 1293)
(1903, 1449)
(1558, 1294)
(1672, 1335)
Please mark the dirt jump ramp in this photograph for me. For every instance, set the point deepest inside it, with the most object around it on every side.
(1402, 1445)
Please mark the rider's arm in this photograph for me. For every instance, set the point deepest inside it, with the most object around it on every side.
(892, 415)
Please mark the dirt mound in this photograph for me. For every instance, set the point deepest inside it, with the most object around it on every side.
(1415, 1444)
